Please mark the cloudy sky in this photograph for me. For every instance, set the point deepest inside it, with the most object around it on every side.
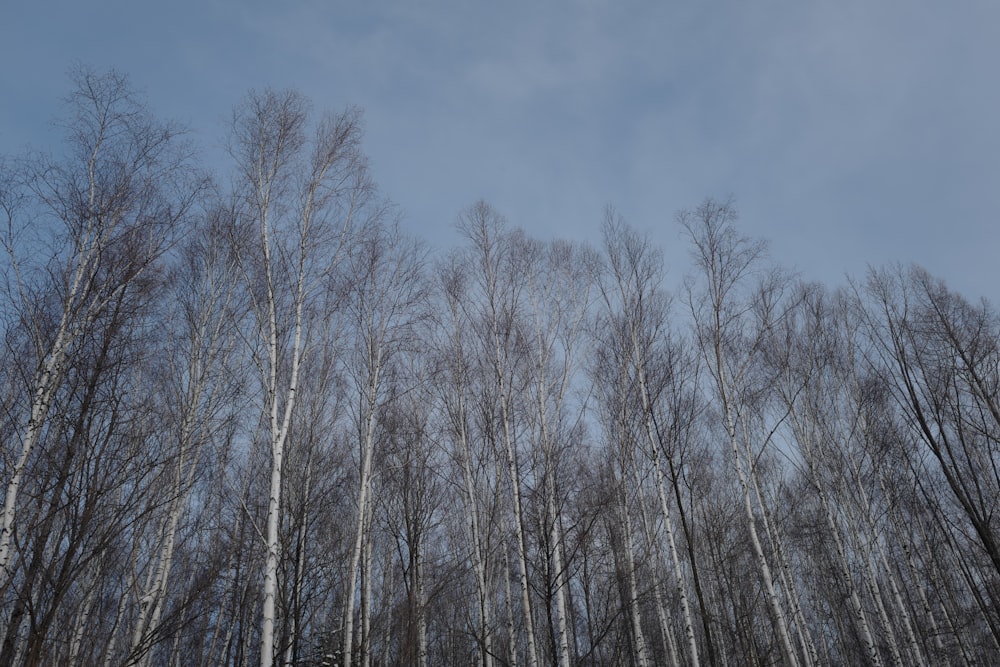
(849, 133)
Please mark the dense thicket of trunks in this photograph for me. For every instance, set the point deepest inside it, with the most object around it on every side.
(260, 424)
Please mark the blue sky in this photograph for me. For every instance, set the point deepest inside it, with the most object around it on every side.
(849, 133)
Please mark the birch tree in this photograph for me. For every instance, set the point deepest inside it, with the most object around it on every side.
(499, 260)
(111, 207)
(810, 358)
(558, 291)
(299, 198)
(733, 317)
(615, 395)
(410, 506)
(455, 380)
(313, 544)
(944, 354)
(633, 295)
(199, 392)
(939, 354)
(385, 295)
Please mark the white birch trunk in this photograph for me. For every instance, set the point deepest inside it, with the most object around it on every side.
(635, 617)
(421, 611)
(669, 643)
(680, 582)
(175, 651)
(475, 538)
(860, 617)
(807, 440)
(80, 304)
(364, 484)
(562, 648)
(366, 599)
(109, 650)
(45, 388)
(778, 616)
(723, 388)
(380, 299)
(559, 294)
(679, 579)
(82, 617)
(279, 425)
(557, 564)
(916, 653)
(636, 274)
(890, 632)
(513, 657)
(809, 654)
(519, 536)
(662, 615)
(153, 595)
(298, 250)
(871, 545)
(924, 601)
(515, 484)
(953, 628)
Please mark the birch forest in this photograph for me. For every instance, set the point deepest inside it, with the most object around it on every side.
(248, 418)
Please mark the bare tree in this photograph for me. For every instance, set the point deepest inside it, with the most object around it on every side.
(637, 305)
(199, 394)
(811, 358)
(111, 208)
(559, 288)
(411, 502)
(299, 197)
(733, 318)
(385, 293)
(454, 383)
(499, 260)
(940, 354)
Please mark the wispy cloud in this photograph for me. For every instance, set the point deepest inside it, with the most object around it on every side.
(849, 132)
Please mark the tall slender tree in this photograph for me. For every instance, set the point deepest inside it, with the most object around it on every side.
(385, 298)
(734, 305)
(299, 198)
